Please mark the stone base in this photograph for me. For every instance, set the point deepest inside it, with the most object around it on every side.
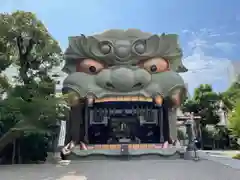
(64, 162)
(53, 158)
(191, 155)
(153, 153)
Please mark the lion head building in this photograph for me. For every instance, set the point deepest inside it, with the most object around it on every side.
(125, 88)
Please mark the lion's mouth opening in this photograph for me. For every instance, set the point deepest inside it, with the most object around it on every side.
(132, 119)
(124, 99)
(158, 100)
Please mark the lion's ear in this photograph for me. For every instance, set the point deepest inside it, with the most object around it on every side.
(69, 67)
(172, 52)
(73, 53)
(181, 69)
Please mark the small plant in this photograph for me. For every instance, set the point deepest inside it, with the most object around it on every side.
(237, 156)
(181, 135)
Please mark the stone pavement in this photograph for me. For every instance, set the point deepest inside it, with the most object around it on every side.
(123, 170)
(223, 157)
(224, 153)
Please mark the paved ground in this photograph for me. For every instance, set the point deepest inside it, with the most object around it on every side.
(123, 170)
(227, 153)
(223, 157)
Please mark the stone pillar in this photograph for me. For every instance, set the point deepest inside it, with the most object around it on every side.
(190, 132)
(54, 156)
(60, 141)
(222, 115)
(172, 118)
(191, 151)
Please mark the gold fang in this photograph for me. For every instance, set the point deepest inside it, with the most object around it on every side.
(141, 98)
(127, 98)
(134, 98)
(148, 99)
(107, 99)
(120, 98)
(112, 99)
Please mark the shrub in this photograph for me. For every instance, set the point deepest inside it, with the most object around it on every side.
(237, 156)
(181, 134)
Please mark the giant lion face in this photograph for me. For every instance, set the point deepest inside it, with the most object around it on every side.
(124, 63)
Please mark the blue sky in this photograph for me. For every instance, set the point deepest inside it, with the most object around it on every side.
(209, 30)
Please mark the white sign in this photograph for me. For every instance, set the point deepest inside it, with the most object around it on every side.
(62, 134)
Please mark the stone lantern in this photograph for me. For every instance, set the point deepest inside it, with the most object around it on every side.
(222, 115)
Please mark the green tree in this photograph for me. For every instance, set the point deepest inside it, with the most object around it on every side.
(234, 120)
(26, 45)
(29, 45)
(231, 95)
(204, 103)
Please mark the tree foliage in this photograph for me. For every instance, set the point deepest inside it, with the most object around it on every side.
(204, 103)
(231, 95)
(231, 98)
(234, 120)
(27, 46)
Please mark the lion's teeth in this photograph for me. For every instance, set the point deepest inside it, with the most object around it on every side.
(134, 98)
(127, 98)
(124, 99)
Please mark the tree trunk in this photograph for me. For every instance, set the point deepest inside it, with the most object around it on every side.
(19, 152)
(14, 151)
(9, 137)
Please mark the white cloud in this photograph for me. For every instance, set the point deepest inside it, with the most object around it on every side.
(225, 46)
(205, 68)
(196, 43)
(214, 35)
(231, 33)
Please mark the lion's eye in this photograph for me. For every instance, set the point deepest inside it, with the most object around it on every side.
(156, 65)
(89, 66)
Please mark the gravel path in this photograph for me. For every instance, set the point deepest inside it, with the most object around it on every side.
(122, 170)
